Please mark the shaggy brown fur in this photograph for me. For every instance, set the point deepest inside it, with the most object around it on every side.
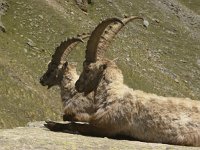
(143, 116)
(120, 110)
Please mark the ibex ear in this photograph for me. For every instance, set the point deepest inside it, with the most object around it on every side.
(103, 67)
(65, 64)
(85, 63)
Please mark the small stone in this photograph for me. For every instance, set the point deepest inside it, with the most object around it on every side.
(36, 48)
(79, 19)
(144, 70)
(41, 16)
(198, 62)
(25, 50)
(2, 28)
(31, 43)
(176, 80)
(127, 59)
(183, 61)
(156, 20)
(151, 70)
(146, 23)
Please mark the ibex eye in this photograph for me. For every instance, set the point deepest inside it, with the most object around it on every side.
(87, 71)
(48, 74)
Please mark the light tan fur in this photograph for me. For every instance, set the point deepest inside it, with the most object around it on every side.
(71, 98)
(120, 110)
(147, 117)
(65, 77)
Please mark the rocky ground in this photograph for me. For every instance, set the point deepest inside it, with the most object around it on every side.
(36, 137)
(163, 59)
(3, 8)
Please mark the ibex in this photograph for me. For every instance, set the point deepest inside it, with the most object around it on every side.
(120, 110)
(64, 75)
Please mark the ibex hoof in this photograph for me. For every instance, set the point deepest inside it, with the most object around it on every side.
(53, 126)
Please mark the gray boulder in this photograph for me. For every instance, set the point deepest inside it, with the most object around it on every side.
(36, 137)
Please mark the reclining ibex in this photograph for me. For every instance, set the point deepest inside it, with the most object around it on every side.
(64, 75)
(143, 116)
(120, 110)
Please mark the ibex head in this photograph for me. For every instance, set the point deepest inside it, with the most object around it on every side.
(90, 76)
(58, 64)
(52, 76)
(95, 65)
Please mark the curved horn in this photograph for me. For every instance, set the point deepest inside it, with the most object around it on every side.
(111, 32)
(92, 43)
(66, 47)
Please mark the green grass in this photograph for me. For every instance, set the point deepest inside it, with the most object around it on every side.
(192, 4)
(161, 59)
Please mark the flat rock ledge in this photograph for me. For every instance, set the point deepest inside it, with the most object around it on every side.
(36, 137)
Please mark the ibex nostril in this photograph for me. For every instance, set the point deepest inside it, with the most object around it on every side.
(41, 80)
(77, 83)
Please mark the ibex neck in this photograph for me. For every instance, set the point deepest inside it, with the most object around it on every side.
(68, 86)
(110, 85)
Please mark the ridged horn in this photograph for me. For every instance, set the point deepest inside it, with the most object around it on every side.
(111, 32)
(65, 47)
(92, 44)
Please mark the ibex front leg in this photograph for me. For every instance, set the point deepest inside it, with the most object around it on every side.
(77, 128)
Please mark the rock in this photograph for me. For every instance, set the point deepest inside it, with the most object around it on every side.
(36, 136)
(25, 50)
(82, 4)
(146, 23)
(2, 28)
(198, 62)
(156, 20)
(41, 17)
(183, 61)
(176, 80)
(3, 8)
(31, 43)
